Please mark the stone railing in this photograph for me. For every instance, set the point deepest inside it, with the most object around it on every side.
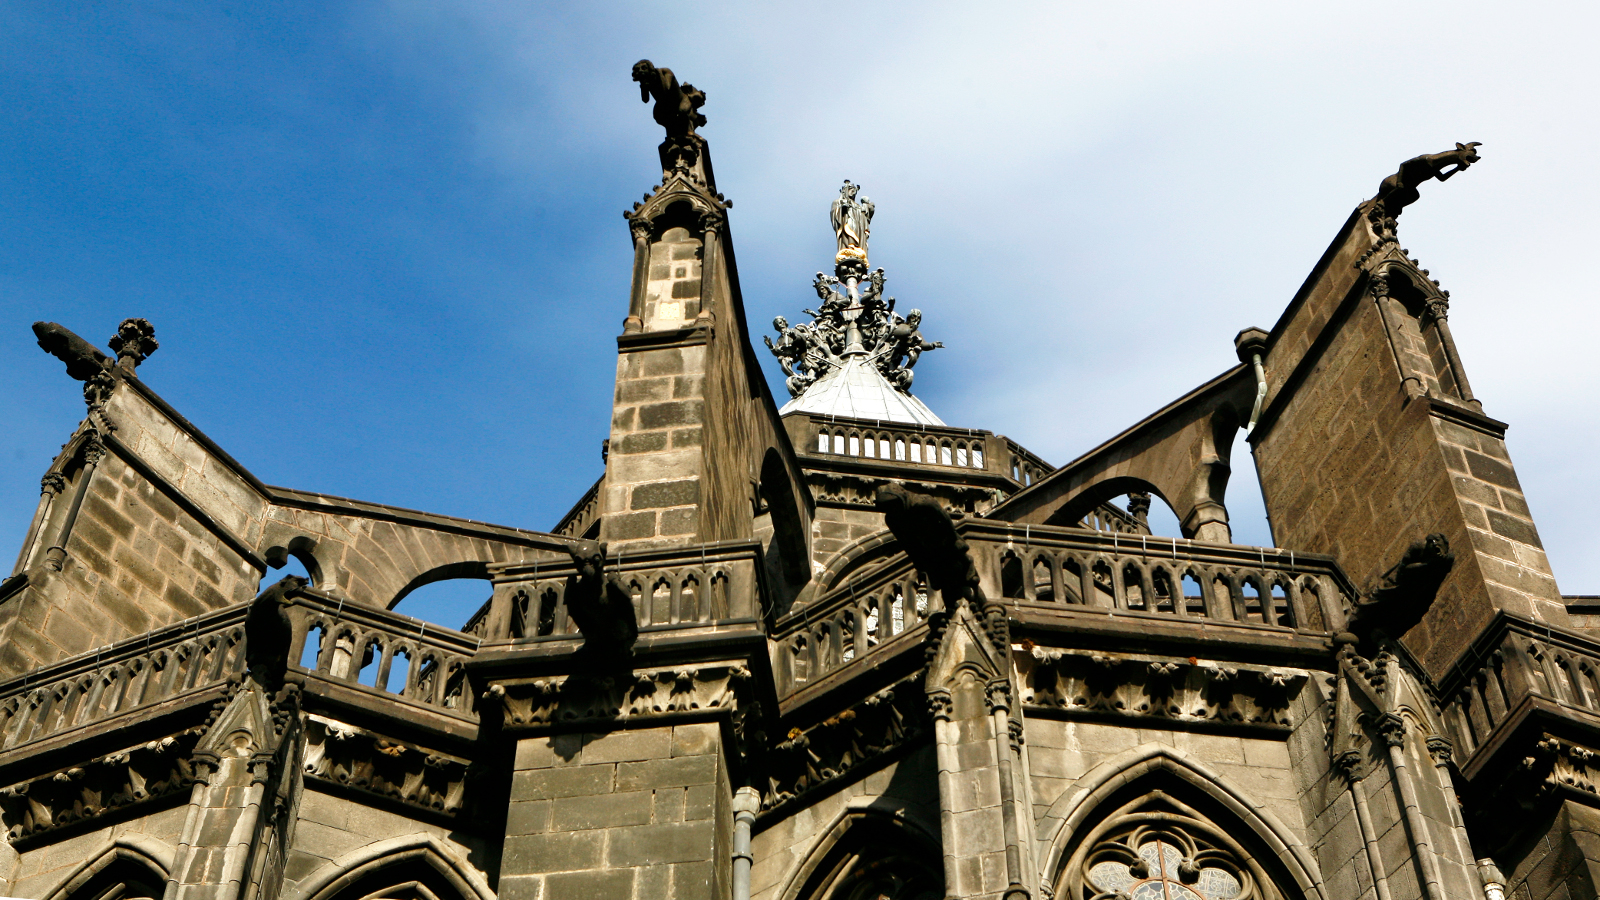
(581, 515)
(926, 445)
(671, 588)
(125, 678)
(1515, 661)
(382, 652)
(1045, 567)
(367, 649)
(1025, 468)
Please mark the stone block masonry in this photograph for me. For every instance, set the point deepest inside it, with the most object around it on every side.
(653, 489)
(622, 815)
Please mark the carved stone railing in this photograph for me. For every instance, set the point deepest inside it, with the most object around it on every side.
(1515, 665)
(361, 646)
(927, 445)
(581, 515)
(866, 615)
(123, 679)
(671, 588)
(1025, 468)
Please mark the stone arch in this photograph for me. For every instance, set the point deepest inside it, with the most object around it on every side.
(857, 835)
(1180, 454)
(139, 862)
(851, 558)
(418, 859)
(299, 547)
(790, 534)
(1096, 493)
(1153, 763)
(471, 568)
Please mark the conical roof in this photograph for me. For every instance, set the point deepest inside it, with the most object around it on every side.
(855, 389)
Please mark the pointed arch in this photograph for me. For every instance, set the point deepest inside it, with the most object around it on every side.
(864, 841)
(131, 866)
(1094, 793)
(410, 866)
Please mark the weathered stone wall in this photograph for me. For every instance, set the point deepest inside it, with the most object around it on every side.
(1356, 464)
(135, 561)
(630, 814)
(38, 871)
(329, 828)
(904, 791)
(1559, 857)
(654, 472)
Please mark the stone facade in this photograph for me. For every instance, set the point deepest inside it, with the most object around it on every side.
(822, 657)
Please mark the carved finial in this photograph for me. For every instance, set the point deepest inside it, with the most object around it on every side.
(133, 343)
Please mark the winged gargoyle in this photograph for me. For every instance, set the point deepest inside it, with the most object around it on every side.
(928, 535)
(1404, 593)
(677, 106)
(602, 610)
(1399, 190)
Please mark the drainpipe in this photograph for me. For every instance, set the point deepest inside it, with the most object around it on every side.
(1250, 344)
(746, 802)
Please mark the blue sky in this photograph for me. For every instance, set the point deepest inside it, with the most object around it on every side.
(383, 249)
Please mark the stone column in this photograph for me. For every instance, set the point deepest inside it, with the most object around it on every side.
(1438, 310)
(640, 229)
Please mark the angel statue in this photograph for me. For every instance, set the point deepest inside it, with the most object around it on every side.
(906, 346)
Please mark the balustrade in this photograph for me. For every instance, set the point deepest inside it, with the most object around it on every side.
(929, 448)
(121, 678)
(1515, 660)
(669, 588)
(582, 515)
(1045, 566)
(361, 646)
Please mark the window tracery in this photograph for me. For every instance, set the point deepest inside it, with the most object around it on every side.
(1157, 848)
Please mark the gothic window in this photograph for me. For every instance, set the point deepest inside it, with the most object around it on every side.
(876, 861)
(1157, 848)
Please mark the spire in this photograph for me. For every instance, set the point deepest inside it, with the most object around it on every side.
(854, 358)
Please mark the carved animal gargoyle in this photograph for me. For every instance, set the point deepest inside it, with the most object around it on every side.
(84, 360)
(1400, 189)
(928, 535)
(602, 610)
(1402, 596)
(677, 106)
(268, 634)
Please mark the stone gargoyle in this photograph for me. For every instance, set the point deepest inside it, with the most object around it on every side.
(84, 360)
(1400, 189)
(1402, 596)
(928, 535)
(677, 106)
(268, 634)
(601, 608)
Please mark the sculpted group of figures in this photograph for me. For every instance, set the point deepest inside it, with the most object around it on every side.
(855, 319)
(809, 350)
